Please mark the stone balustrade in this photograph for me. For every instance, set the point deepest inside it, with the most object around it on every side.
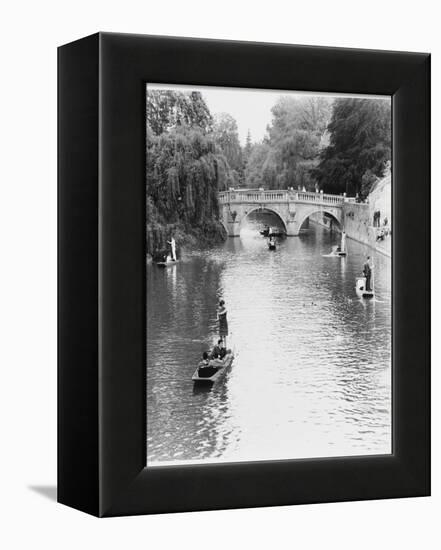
(269, 196)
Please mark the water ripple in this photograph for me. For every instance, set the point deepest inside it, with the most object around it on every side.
(312, 373)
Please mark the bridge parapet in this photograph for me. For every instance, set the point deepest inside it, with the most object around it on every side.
(274, 196)
(321, 198)
(244, 195)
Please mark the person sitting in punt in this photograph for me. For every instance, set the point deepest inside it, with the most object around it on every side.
(217, 350)
(205, 367)
(381, 235)
(159, 255)
(205, 360)
(218, 354)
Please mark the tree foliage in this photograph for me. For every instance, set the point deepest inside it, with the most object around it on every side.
(184, 173)
(227, 138)
(258, 162)
(360, 146)
(168, 109)
(247, 149)
(292, 145)
(187, 165)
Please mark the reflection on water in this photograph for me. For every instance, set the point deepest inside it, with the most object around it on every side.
(312, 372)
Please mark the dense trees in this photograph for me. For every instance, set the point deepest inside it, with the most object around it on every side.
(185, 169)
(339, 146)
(360, 141)
(167, 109)
(292, 145)
(227, 138)
(259, 168)
(247, 148)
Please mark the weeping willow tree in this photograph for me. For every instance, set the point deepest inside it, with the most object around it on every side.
(185, 170)
(189, 160)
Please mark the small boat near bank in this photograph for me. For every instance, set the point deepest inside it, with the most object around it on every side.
(166, 263)
(338, 251)
(220, 372)
(166, 257)
(360, 288)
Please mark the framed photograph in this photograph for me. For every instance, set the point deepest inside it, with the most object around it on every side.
(240, 323)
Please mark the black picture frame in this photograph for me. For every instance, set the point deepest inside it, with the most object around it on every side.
(102, 274)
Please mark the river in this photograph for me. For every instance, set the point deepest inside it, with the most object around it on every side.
(312, 369)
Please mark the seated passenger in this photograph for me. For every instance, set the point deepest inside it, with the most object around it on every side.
(205, 368)
(216, 363)
(163, 255)
(217, 349)
(205, 361)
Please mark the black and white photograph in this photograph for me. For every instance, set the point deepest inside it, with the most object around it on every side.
(269, 226)
(220, 275)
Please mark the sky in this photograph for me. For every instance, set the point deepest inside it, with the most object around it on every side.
(251, 108)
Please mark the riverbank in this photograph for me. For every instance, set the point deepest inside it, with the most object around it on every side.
(208, 234)
(359, 227)
(368, 223)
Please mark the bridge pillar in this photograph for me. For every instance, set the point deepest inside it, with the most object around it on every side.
(292, 228)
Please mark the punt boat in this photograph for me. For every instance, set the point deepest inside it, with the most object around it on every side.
(166, 263)
(360, 288)
(227, 362)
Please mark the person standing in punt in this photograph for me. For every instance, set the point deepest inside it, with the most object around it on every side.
(223, 323)
(343, 242)
(172, 244)
(367, 272)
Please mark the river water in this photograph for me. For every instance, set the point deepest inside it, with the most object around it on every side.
(312, 369)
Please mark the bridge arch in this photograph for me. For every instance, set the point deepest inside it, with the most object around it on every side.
(291, 207)
(263, 209)
(331, 214)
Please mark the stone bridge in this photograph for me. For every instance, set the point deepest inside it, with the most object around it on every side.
(292, 207)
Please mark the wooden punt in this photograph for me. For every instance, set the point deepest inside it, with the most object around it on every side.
(227, 361)
(360, 289)
(168, 263)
